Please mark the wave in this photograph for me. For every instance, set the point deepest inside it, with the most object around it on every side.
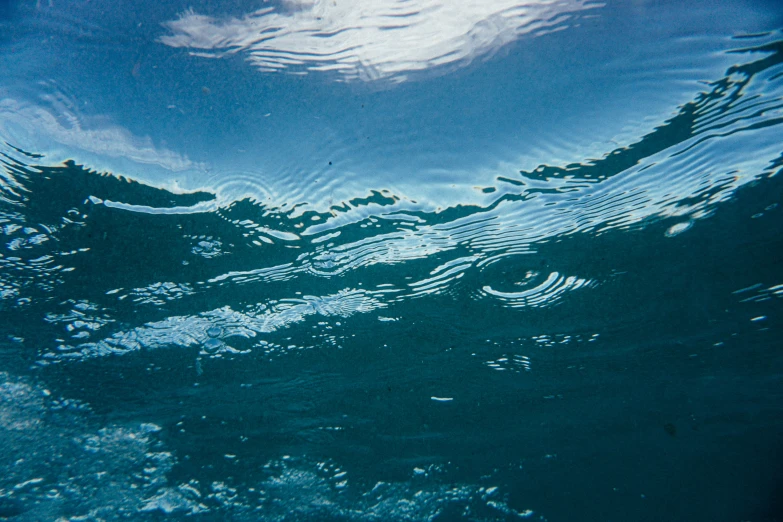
(680, 173)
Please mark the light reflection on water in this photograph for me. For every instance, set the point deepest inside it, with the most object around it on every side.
(373, 40)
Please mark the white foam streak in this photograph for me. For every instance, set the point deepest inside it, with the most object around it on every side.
(188, 331)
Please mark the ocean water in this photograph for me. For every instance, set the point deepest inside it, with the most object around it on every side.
(405, 260)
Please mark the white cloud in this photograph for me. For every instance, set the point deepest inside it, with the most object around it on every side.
(370, 39)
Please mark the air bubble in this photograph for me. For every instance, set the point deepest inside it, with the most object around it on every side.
(213, 345)
(679, 228)
(214, 331)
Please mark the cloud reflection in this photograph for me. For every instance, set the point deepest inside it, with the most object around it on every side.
(20, 120)
(370, 40)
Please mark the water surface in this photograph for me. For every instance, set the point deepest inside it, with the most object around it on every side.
(309, 260)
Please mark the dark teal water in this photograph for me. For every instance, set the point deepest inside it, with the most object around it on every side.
(534, 276)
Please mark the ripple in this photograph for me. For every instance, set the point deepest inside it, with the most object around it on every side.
(682, 170)
(370, 41)
(160, 293)
(391, 232)
(544, 294)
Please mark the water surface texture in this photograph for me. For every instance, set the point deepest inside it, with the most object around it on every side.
(404, 260)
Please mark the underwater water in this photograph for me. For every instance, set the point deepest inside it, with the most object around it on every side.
(391, 260)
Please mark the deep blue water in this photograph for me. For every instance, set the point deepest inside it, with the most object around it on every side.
(391, 261)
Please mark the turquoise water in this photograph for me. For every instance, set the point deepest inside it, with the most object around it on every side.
(409, 260)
